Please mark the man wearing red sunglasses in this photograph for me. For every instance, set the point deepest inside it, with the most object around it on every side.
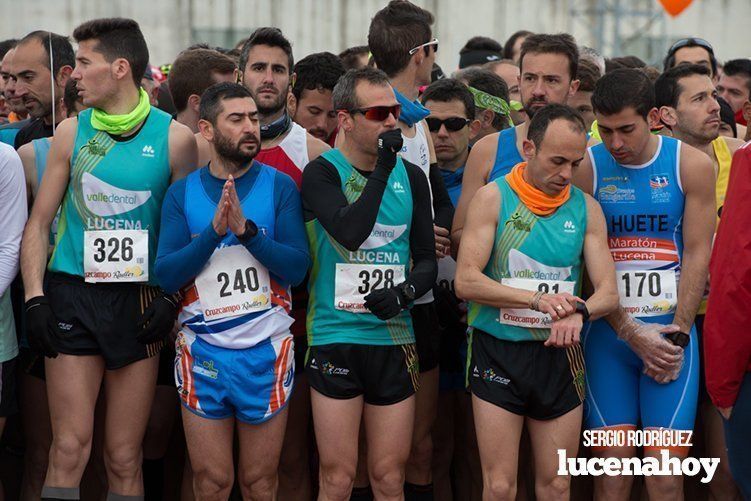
(402, 44)
(370, 231)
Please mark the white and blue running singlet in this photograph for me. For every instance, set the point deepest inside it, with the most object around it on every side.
(643, 207)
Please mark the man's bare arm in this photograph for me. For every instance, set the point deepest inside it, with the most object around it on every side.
(28, 159)
(583, 177)
(183, 151)
(477, 244)
(479, 165)
(316, 147)
(599, 263)
(49, 196)
(697, 178)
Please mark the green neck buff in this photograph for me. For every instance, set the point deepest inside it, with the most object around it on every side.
(120, 124)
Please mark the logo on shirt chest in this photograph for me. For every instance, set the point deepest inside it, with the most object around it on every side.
(658, 185)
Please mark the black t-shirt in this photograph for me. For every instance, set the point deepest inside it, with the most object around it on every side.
(35, 129)
(351, 224)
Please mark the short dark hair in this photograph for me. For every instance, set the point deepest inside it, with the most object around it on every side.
(546, 115)
(70, 95)
(669, 61)
(727, 115)
(588, 73)
(562, 43)
(615, 63)
(345, 90)
(7, 45)
(739, 67)
(317, 71)
(485, 80)
(508, 47)
(211, 99)
(351, 57)
(272, 37)
(450, 89)
(482, 43)
(193, 72)
(62, 50)
(117, 37)
(394, 30)
(623, 88)
(668, 86)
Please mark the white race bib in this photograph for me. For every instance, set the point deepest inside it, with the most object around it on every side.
(355, 281)
(116, 256)
(648, 293)
(446, 273)
(524, 317)
(233, 283)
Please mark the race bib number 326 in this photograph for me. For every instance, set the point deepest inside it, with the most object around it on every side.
(355, 281)
(116, 256)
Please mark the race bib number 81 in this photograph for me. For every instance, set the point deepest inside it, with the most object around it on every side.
(648, 293)
(524, 317)
(116, 256)
(355, 281)
(233, 283)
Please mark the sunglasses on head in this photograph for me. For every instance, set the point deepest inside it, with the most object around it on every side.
(378, 113)
(690, 42)
(433, 42)
(452, 124)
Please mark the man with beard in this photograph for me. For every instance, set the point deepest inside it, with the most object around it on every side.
(548, 65)
(234, 242)
(97, 314)
(688, 106)
(311, 105)
(32, 76)
(265, 66)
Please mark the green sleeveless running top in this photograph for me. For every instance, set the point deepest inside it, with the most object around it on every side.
(535, 253)
(114, 185)
(340, 279)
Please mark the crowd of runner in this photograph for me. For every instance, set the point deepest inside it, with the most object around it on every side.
(360, 276)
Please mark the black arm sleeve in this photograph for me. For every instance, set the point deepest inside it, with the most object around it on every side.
(421, 237)
(442, 206)
(349, 224)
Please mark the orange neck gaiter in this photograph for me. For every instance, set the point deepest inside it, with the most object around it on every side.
(535, 200)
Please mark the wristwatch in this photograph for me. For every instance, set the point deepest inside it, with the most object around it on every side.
(408, 293)
(582, 308)
(678, 338)
(251, 230)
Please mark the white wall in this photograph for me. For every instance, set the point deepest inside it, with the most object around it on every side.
(316, 25)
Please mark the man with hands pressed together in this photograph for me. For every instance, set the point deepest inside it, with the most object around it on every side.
(527, 238)
(234, 243)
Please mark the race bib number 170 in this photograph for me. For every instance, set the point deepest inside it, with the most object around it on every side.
(116, 256)
(648, 293)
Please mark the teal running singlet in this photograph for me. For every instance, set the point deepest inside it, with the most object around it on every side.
(340, 279)
(534, 253)
(110, 216)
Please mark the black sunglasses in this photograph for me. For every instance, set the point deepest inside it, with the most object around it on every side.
(452, 124)
(690, 42)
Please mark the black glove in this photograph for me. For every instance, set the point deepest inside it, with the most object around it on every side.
(385, 303)
(389, 144)
(157, 321)
(41, 326)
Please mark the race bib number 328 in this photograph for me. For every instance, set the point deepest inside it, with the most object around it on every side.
(116, 256)
(355, 281)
